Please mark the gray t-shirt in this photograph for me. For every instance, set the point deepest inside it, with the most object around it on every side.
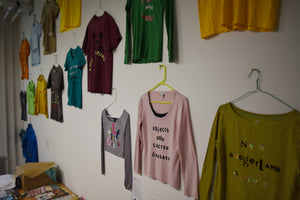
(116, 139)
(56, 83)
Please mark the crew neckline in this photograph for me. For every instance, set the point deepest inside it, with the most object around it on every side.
(258, 119)
(113, 119)
(100, 17)
(161, 115)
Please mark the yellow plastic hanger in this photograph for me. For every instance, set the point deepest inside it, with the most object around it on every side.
(162, 83)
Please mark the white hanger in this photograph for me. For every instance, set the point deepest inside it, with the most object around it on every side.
(74, 45)
(99, 12)
(114, 102)
(56, 62)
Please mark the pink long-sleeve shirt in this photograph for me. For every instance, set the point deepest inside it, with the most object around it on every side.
(164, 132)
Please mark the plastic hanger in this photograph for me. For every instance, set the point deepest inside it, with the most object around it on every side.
(162, 83)
(259, 90)
(99, 12)
(34, 19)
(114, 101)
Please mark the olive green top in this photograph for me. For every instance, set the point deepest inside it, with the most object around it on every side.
(258, 156)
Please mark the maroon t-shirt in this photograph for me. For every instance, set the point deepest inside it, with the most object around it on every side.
(102, 36)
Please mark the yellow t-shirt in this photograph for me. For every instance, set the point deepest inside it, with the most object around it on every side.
(70, 11)
(40, 99)
(219, 16)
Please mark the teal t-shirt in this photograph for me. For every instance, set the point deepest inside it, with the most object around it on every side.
(144, 24)
(74, 64)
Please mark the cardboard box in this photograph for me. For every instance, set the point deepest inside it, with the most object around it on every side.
(34, 175)
(38, 181)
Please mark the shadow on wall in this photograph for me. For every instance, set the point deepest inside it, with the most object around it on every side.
(3, 166)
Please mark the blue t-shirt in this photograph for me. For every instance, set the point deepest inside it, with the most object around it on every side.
(74, 63)
(29, 145)
(35, 34)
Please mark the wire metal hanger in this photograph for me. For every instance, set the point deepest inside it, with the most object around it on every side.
(162, 83)
(259, 90)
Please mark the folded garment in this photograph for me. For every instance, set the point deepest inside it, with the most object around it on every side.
(7, 182)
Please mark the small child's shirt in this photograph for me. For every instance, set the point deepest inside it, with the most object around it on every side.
(74, 64)
(23, 102)
(70, 14)
(56, 83)
(40, 99)
(23, 57)
(49, 15)
(116, 139)
(35, 34)
(30, 91)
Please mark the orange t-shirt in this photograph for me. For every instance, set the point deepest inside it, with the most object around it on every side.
(23, 56)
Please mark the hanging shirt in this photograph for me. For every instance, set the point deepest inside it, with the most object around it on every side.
(219, 16)
(164, 133)
(74, 64)
(116, 139)
(30, 93)
(40, 100)
(29, 145)
(49, 15)
(23, 102)
(23, 57)
(56, 83)
(102, 36)
(70, 14)
(145, 17)
(258, 156)
(35, 34)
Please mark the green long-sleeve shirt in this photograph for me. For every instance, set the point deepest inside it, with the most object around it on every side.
(145, 19)
(258, 156)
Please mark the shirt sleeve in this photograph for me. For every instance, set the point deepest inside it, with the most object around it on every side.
(27, 48)
(127, 56)
(82, 60)
(138, 142)
(62, 83)
(209, 162)
(86, 41)
(66, 65)
(169, 15)
(115, 36)
(102, 147)
(36, 100)
(187, 153)
(49, 80)
(127, 156)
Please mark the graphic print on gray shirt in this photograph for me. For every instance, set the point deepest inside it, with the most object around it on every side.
(56, 83)
(116, 139)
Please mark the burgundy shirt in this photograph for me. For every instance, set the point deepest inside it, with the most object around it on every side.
(101, 38)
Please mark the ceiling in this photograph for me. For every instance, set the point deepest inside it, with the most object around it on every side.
(12, 9)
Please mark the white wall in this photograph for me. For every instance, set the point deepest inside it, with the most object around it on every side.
(209, 72)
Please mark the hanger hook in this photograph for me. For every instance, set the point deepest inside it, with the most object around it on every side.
(258, 77)
(165, 70)
(115, 96)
